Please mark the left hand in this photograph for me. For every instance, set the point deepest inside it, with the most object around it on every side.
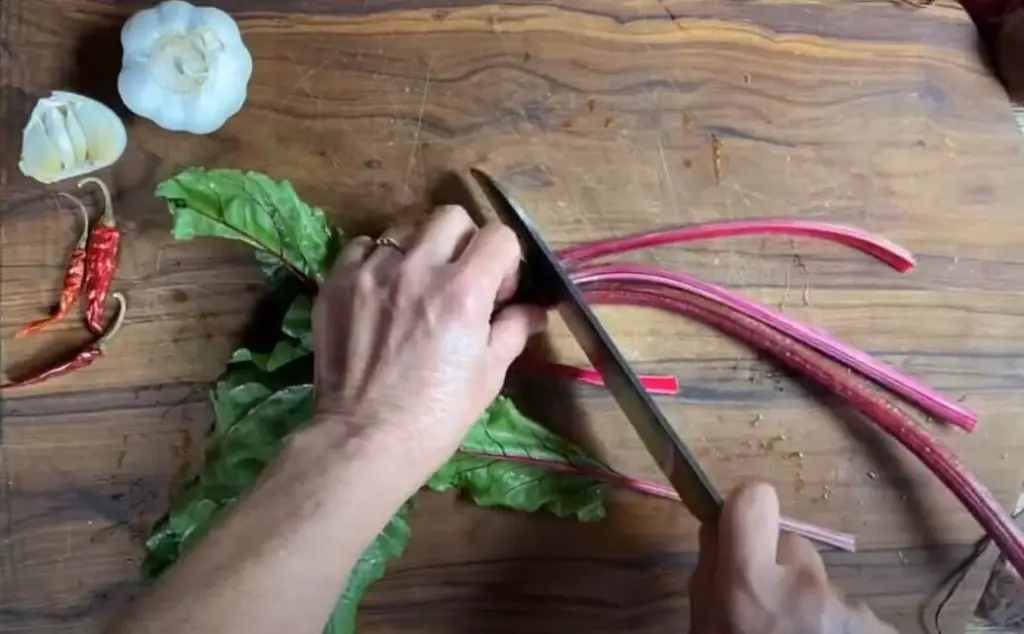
(752, 579)
(408, 347)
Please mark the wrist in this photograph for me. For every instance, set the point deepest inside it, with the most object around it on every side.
(359, 461)
(388, 446)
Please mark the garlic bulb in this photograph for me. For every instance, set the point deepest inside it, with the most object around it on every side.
(184, 67)
(69, 135)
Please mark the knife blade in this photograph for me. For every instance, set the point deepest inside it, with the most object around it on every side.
(550, 280)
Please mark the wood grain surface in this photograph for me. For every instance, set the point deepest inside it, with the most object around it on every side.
(604, 116)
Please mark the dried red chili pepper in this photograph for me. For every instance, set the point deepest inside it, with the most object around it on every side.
(71, 288)
(100, 259)
(79, 359)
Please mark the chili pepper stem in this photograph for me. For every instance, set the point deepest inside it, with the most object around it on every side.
(84, 237)
(80, 359)
(122, 308)
(108, 204)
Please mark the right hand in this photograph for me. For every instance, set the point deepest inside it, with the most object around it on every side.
(752, 579)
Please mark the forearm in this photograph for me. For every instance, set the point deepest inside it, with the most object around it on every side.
(280, 560)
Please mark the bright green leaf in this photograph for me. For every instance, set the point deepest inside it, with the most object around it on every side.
(535, 479)
(522, 487)
(270, 265)
(244, 386)
(237, 391)
(285, 351)
(255, 412)
(255, 209)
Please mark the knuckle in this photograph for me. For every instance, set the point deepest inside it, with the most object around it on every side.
(807, 583)
(357, 243)
(463, 295)
(406, 288)
(364, 281)
(504, 236)
(747, 610)
(500, 241)
(450, 211)
(411, 267)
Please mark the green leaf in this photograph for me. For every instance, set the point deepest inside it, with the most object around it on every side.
(270, 265)
(509, 460)
(245, 385)
(262, 397)
(257, 210)
(237, 455)
(285, 351)
(522, 487)
(298, 321)
(389, 544)
(255, 411)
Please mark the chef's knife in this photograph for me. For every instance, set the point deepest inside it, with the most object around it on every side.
(550, 281)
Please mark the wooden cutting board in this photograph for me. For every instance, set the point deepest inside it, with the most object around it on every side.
(605, 117)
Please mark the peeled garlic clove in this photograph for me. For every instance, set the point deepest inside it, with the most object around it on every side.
(70, 135)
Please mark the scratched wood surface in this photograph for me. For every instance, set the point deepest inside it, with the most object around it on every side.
(604, 116)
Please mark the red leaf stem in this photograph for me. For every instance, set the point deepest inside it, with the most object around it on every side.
(836, 539)
(942, 462)
(912, 390)
(885, 250)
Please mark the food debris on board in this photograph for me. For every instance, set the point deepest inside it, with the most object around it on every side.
(716, 158)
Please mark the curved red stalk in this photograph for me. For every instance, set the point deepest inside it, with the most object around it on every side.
(980, 503)
(914, 391)
(889, 252)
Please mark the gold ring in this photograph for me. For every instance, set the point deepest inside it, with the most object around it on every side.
(387, 241)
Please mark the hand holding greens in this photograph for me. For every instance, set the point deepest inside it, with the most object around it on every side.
(265, 395)
(507, 460)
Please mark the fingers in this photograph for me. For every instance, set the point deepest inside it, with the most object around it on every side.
(445, 236)
(796, 552)
(707, 556)
(384, 254)
(493, 256)
(507, 287)
(490, 255)
(748, 530)
(510, 330)
(702, 583)
(355, 252)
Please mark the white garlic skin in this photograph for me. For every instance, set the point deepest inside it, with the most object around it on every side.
(184, 67)
(69, 135)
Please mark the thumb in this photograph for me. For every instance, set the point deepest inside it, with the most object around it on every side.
(702, 583)
(510, 329)
(748, 531)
